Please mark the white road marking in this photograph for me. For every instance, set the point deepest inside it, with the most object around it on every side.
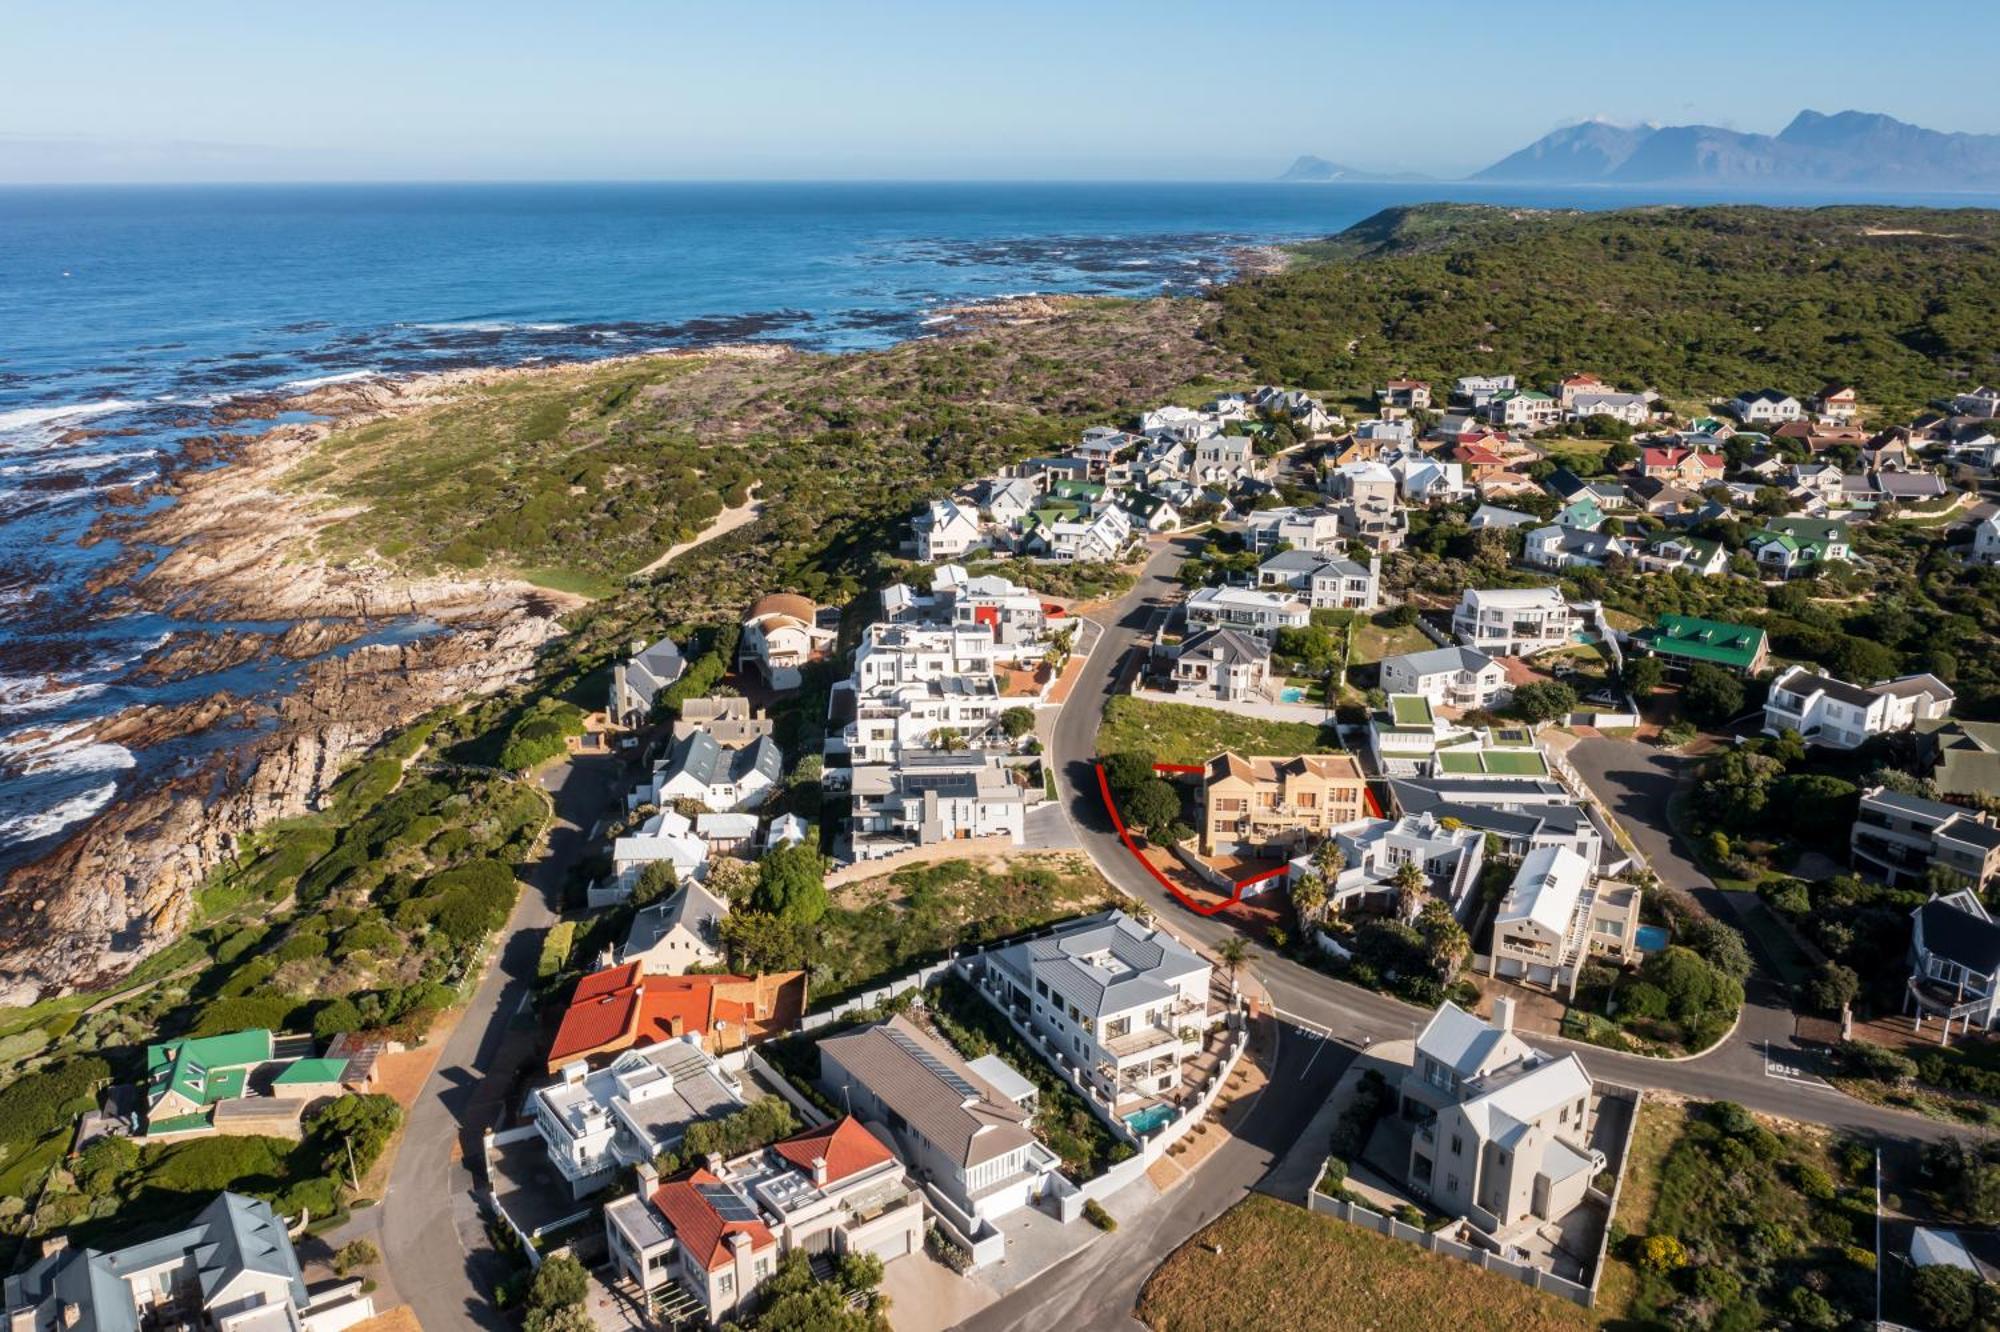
(1785, 1070)
(1317, 1031)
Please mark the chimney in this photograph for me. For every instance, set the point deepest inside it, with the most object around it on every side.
(819, 1172)
(54, 1244)
(649, 1178)
(1503, 1014)
(573, 1072)
(677, 1025)
(739, 1244)
(1847, 1022)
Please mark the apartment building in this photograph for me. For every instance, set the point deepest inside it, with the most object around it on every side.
(1513, 622)
(1123, 1004)
(708, 1240)
(1451, 677)
(911, 680)
(1904, 840)
(1014, 615)
(1265, 806)
(1555, 916)
(1246, 609)
(924, 799)
(1502, 1130)
(597, 1124)
(1828, 711)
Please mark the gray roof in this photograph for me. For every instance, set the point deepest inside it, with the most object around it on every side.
(694, 908)
(1560, 820)
(1293, 561)
(1957, 935)
(915, 1076)
(1807, 682)
(1443, 659)
(232, 1235)
(1416, 794)
(1104, 966)
(1226, 645)
(1459, 1041)
(701, 756)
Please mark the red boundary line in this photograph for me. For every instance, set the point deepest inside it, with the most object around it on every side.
(1125, 835)
(1179, 767)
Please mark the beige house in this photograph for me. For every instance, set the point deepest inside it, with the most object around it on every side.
(1272, 806)
(780, 635)
(1554, 917)
(1502, 1130)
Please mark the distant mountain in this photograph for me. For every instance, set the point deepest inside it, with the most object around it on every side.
(1319, 169)
(1852, 148)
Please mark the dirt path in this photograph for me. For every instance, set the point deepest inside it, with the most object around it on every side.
(725, 522)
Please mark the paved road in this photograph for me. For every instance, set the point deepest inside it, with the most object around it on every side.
(433, 1236)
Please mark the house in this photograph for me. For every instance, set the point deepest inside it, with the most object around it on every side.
(1327, 583)
(595, 1125)
(1523, 409)
(1682, 641)
(1316, 530)
(1223, 665)
(1478, 390)
(184, 1078)
(1513, 622)
(1764, 407)
(1380, 528)
(1175, 422)
(1839, 404)
(1690, 467)
(717, 1234)
(700, 769)
(1428, 481)
(667, 835)
(1789, 546)
(1831, 712)
(924, 799)
(620, 1007)
(1634, 409)
(1374, 850)
(1007, 500)
(232, 1269)
(729, 718)
(781, 634)
(1154, 513)
(1561, 547)
(1577, 385)
(1450, 677)
(1909, 487)
(1405, 733)
(1662, 499)
(965, 1138)
(1394, 434)
(1102, 537)
(1666, 552)
(1555, 917)
(1014, 615)
(1264, 806)
(1954, 963)
(1502, 1130)
(1409, 394)
(1908, 841)
(1489, 515)
(1226, 458)
(1127, 1005)
(1520, 826)
(1983, 403)
(1262, 613)
(945, 530)
(640, 678)
(1101, 446)
(681, 930)
(1965, 756)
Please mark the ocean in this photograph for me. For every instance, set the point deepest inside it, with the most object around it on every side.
(129, 315)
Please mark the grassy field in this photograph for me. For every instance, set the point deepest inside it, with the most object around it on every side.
(1183, 733)
(1280, 1267)
(1659, 1127)
(1372, 641)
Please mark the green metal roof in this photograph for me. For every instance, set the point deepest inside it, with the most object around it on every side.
(1705, 640)
(179, 1124)
(311, 1070)
(232, 1049)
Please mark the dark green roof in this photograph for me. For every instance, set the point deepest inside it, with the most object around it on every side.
(1697, 639)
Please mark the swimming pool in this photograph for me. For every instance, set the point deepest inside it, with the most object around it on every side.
(1291, 694)
(1145, 1121)
(1651, 938)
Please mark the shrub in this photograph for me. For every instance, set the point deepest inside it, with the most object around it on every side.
(1662, 1254)
(1865, 1059)
(355, 1255)
(791, 885)
(1945, 1297)
(1093, 1212)
(556, 946)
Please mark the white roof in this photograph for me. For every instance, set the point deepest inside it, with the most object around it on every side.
(1465, 1044)
(1546, 889)
(1002, 1077)
(1516, 598)
(1244, 596)
(1524, 1097)
(1928, 1248)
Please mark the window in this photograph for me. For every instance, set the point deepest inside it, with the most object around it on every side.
(1451, 1183)
(726, 1283)
(1457, 1145)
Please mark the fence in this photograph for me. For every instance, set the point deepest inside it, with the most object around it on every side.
(811, 1114)
(1355, 1214)
(1636, 1099)
(1204, 871)
(998, 844)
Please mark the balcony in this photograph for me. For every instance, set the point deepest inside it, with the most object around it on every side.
(1140, 1041)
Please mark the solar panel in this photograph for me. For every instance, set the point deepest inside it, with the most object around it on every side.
(938, 1068)
(728, 1204)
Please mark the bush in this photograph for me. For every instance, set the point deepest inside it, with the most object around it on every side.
(1544, 700)
(1093, 1212)
(1945, 1298)
(1865, 1059)
(1712, 694)
(791, 885)
(1662, 1254)
(355, 1255)
(556, 947)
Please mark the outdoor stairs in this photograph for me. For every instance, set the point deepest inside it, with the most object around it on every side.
(1575, 939)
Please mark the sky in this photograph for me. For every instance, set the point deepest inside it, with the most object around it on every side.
(207, 90)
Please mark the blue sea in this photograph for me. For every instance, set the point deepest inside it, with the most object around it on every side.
(131, 317)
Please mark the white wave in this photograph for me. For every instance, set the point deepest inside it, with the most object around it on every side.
(938, 319)
(23, 828)
(55, 754)
(75, 462)
(488, 326)
(321, 381)
(25, 695)
(24, 419)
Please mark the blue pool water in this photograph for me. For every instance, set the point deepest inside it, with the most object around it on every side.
(1291, 694)
(1652, 938)
(1152, 1117)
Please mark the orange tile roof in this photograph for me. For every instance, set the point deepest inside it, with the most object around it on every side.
(620, 1007)
(698, 1227)
(845, 1146)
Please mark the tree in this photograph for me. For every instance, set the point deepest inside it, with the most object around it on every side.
(1153, 806)
(758, 942)
(560, 1280)
(1329, 860)
(1721, 946)
(1308, 896)
(358, 1125)
(1545, 700)
(1413, 886)
(1232, 953)
(1815, 806)
(657, 879)
(1017, 722)
(1833, 987)
(1945, 1297)
(1446, 939)
(1712, 694)
(791, 884)
(1644, 676)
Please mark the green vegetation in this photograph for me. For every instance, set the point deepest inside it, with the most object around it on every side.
(1739, 1226)
(758, 1124)
(1271, 1266)
(793, 1300)
(1183, 733)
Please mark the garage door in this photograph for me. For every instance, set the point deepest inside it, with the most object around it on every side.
(891, 1246)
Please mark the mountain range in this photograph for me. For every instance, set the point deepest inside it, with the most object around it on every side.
(1309, 168)
(1853, 149)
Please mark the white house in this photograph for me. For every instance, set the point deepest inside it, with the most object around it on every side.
(911, 680)
(781, 635)
(1983, 402)
(1632, 408)
(1564, 547)
(700, 769)
(668, 835)
(1492, 515)
(1223, 665)
(924, 799)
(1427, 481)
(1451, 677)
(1373, 850)
(596, 1124)
(1245, 608)
(946, 529)
(1523, 409)
(1513, 622)
(1554, 917)
(1478, 390)
(1839, 715)
(1226, 458)
(638, 680)
(682, 930)
(1955, 963)
(1102, 537)
(1326, 583)
(1315, 530)
(1766, 406)
(1986, 540)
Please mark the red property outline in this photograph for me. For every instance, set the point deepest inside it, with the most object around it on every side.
(1125, 836)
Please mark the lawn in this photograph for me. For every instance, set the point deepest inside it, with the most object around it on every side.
(1183, 733)
(1270, 1266)
(1373, 641)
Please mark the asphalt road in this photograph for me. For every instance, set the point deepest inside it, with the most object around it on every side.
(433, 1236)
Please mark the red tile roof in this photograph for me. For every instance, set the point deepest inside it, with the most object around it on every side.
(846, 1147)
(621, 1007)
(698, 1227)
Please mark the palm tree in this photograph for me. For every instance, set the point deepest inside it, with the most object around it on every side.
(1233, 953)
(1329, 860)
(1308, 897)
(1412, 887)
